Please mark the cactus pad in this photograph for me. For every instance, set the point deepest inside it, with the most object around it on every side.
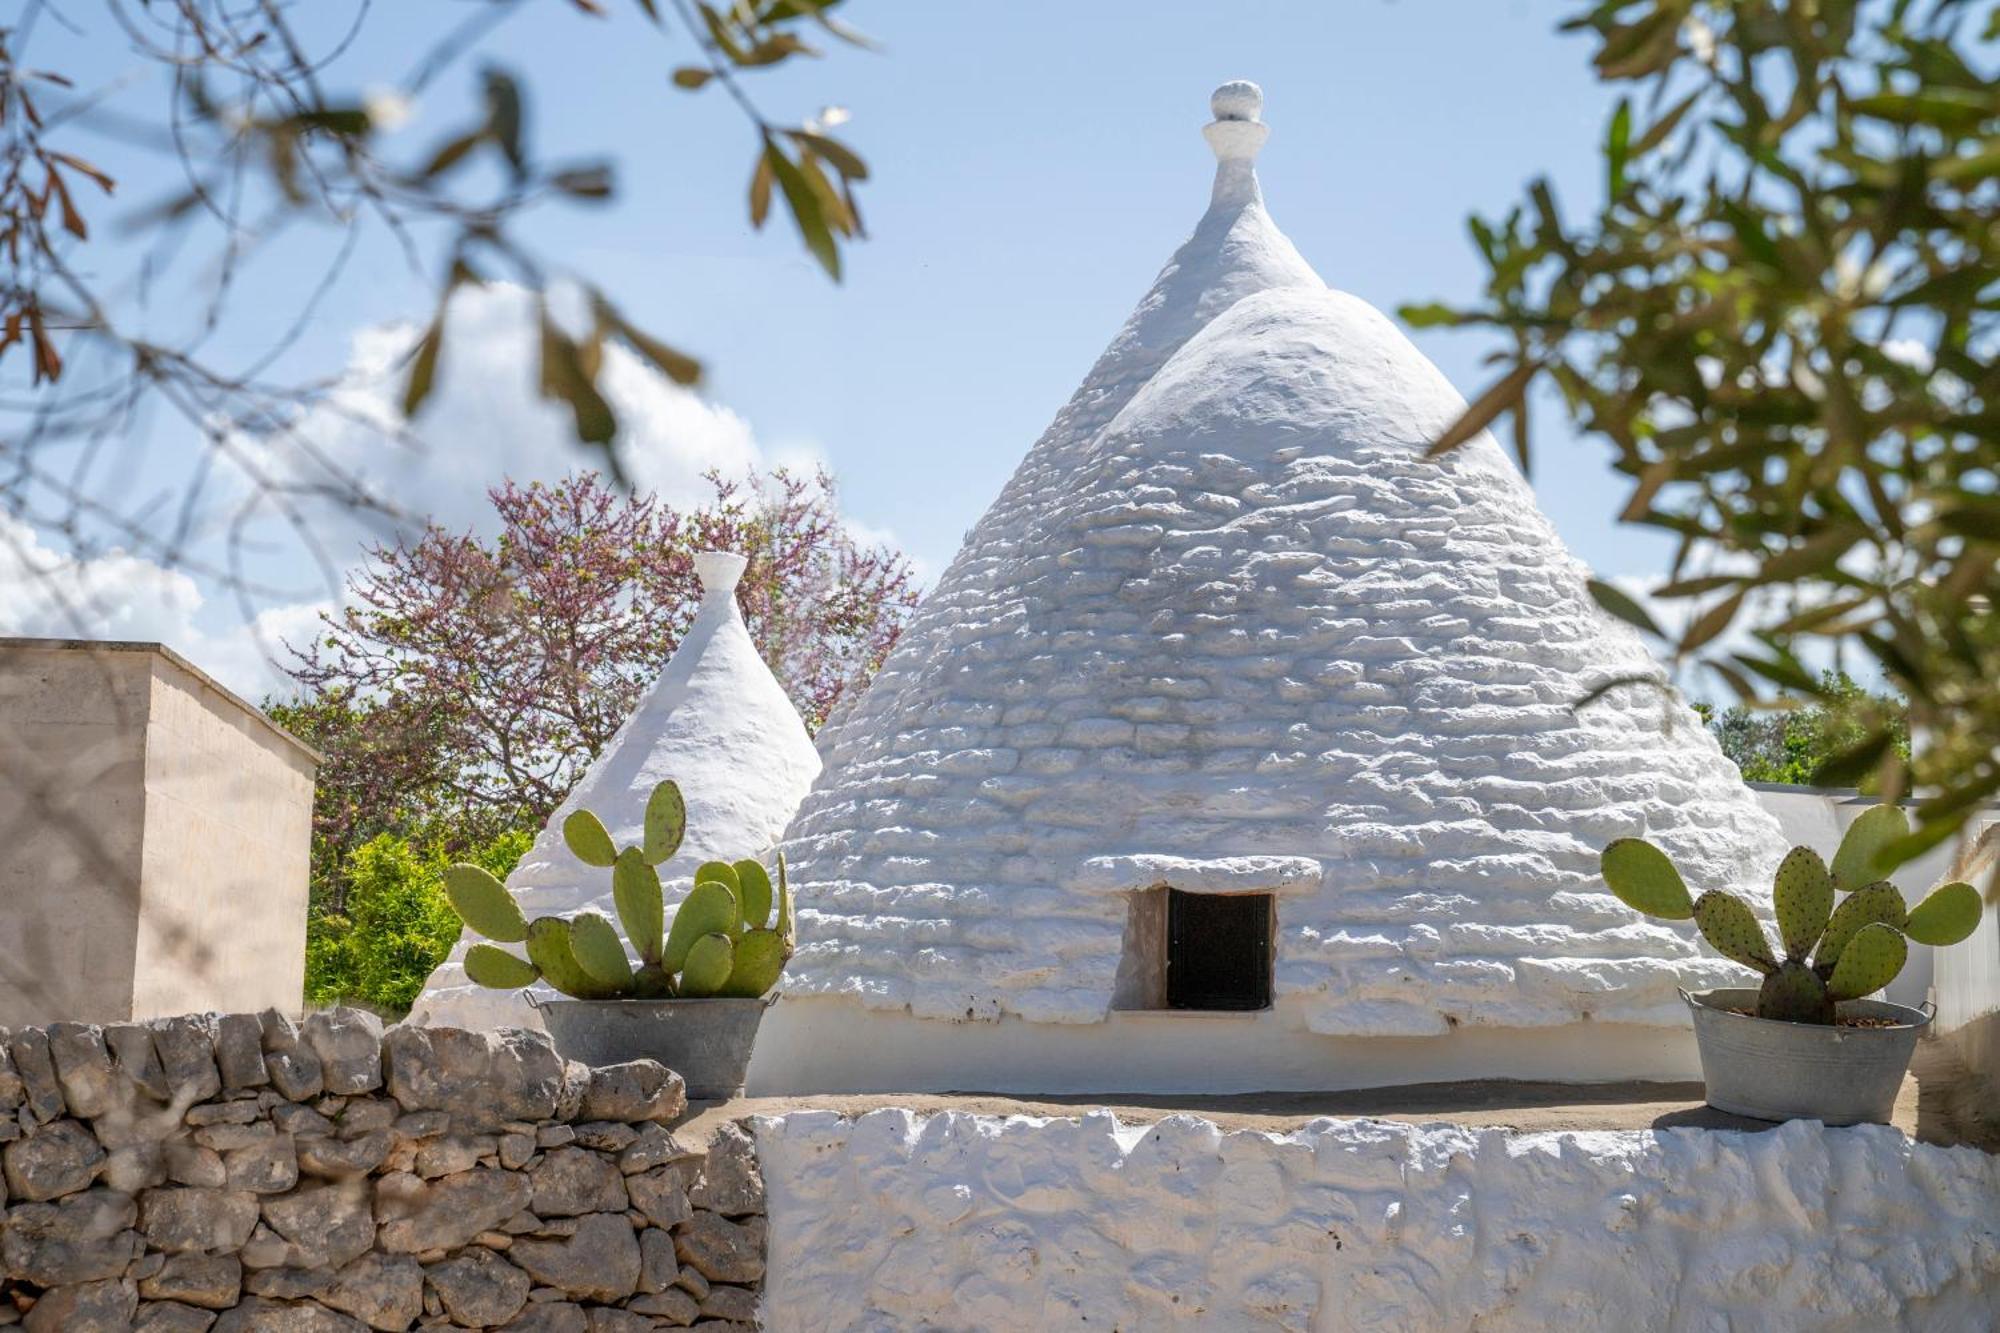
(489, 965)
(594, 942)
(1731, 929)
(708, 965)
(652, 982)
(1880, 901)
(549, 950)
(1947, 915)
(1803, 896)
(754, 892)
(717, 872)
(585, 835)
(666, 823)
(483, 903)
(759, 959)
(1859, 860)
(1870, 961)
(1795, 994)
(1645, 880)
(635, 891)
(709, 909)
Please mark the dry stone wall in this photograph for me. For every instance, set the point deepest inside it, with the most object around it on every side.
(244, 1173)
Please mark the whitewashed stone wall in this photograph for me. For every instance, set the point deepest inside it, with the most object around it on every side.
(969, 1222)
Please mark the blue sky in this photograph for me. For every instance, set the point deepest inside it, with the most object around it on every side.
(1035, 162)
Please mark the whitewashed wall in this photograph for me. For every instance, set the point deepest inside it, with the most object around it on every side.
(969, 1222)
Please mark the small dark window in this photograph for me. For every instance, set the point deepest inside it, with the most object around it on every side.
(1218, 950)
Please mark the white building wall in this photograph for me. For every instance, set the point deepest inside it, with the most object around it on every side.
(959, 1221)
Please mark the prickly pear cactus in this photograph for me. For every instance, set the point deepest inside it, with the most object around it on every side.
(1870, 961)
(1803, 897)
(1878, 902)
(483, 903)
(586, 837)
(1830, 953)
(1795, 994)
(708, 965)
(1947, 915)
(718, 943)
(1731, 929)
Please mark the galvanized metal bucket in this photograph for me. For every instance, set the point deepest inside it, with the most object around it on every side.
(706, 1042)
(1770, 1070)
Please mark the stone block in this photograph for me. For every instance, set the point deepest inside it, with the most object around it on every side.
(192, 1220)
(730, 1181)
(599, 1263)
(479, 1288)
(348, 1043)
(104, 1306)
(57, 1158)
(213, 1282)
(637, 1090)
(721, 1250)
(573, 1180)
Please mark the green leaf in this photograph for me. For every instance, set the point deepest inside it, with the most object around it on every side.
(1951, 109)
(1711, 623)
(586, 182)
(1845, 767)
(423, 368)
(563, 377)
(1617, 147)
(1624, 606)
(692, 77)
(843, 158)
(1504, 393)
(805, 208)
(1432, 315)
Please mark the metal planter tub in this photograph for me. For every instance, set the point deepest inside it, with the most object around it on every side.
(706, 1042)
(1769, 1070)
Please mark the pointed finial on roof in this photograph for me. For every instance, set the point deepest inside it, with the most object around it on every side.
(1236, 134)
(718, 572)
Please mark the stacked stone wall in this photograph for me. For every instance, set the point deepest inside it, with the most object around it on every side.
(244, 1173)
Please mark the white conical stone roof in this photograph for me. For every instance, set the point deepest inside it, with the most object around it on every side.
(716, 722)
(1227, 628)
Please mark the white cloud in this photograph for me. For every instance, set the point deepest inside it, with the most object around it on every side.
(483, 424)
(116, 595)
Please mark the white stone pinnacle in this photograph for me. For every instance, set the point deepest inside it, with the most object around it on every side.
(1235, 135)
(718, 572)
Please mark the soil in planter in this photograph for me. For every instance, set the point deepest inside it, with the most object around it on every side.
(1843, 1021)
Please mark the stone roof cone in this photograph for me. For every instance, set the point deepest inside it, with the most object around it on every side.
(719, 724)
(1227, 629)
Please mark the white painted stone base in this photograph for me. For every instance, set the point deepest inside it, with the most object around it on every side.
(969, 1222)
(815, 1044)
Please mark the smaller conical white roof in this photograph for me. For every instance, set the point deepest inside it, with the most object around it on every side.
(716, 722)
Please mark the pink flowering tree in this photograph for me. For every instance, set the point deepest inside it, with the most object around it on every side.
(471, 680)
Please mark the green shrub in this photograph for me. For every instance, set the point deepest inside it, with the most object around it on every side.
(398, 924)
